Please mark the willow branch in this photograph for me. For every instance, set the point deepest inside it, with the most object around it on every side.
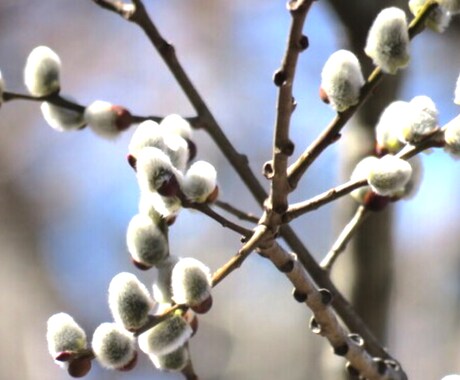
(242, 215)
(324, 320)
(301, 208)
(332, 132)
(344, 237)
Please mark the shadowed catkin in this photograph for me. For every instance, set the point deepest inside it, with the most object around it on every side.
(146, 241)
(129, 301)
(64, 335)
(190, 282)
(174, 361)
(166, 337)
(113, 347)
(388, 175)
(107, 120)
(42, 72)
(361, 171)
(342, 79)
(439, 18)
(61, 119)
(199, 181)
(388, 40)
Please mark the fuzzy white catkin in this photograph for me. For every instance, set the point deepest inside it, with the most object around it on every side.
(178, 125)
(113, 347)
(388, 40)
(61, 119)
(190, 282)
(392, 119)
(439, 18)
(146, 242)
(147, 133)
(129, 301)
(342, 79)
(177, 150)
(156, 206)
(420, 120)
(153, 168)
(457, 91)
(42, 71)
(361, 171)
(452, 136)
(162, 291)
(199, 181)
(165, 337)
(105, 119)
(174, 361)
(389, 175)
(451, 377)
(452, 6)
(64, 334)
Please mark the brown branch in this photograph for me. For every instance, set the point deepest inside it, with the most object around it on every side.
(301, 208)
(242, 215)
(325, 322)
(332, 132)
(344, 237)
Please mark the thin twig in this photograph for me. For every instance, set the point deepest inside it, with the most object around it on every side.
(297, 209)
(242, 215)
(332, 132)
(344, 237)
(189, 371)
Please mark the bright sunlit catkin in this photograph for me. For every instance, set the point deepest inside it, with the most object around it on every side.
(361, 171)
(199, 181)
(42, 72)
(162, 291)
(342, 79)
(113, 347)
(422, 120)
(146, 241)
(64, 335)
(129, 301)
(107, 120)
(165, 337)
(388, 40)
(389, 175)
(61, 119)
(452, 136)
(391, 121)
(148, 133)
(178, 125)
(439, 18)
(190, 282)
(174, 361)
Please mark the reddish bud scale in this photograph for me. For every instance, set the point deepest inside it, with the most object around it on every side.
(192, 319)
(375, 202)
(124, 118)
(79, 367)
(203, 307)
(192, 149)
(323, 96)
(130, 365)
(131, 161)
(64, 356)
(170, 187)
(213, 196)
(140, 266)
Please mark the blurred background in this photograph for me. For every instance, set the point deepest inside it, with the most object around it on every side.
(66, 198)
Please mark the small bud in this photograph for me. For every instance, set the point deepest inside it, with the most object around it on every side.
(452, 136)
(389, 175)
(146, 242)
(166, 337)
(61, 119)
(361, 171)
(162, 292)
(154, 170)
(79, 367)
(388, 40)
(420, 121)
(393, 119)
(199, 182)
(342, 79)
(457, 92)
(190, 282)
(129, 301)
(107, 120)
(174, 361)
(178, 125)
(113, 346)
(42, 71)
(439, 18)
(64, 334)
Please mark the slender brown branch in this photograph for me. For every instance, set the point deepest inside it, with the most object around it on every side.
(344, 237)
(189, 371)
(301, 208)
(332, 132)
(242, 215)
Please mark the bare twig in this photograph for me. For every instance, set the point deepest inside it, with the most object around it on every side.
(344, 237)
(332, 132)
(301, 208)
(242, 215)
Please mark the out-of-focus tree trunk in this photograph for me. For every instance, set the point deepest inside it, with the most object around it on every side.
(365, 271)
